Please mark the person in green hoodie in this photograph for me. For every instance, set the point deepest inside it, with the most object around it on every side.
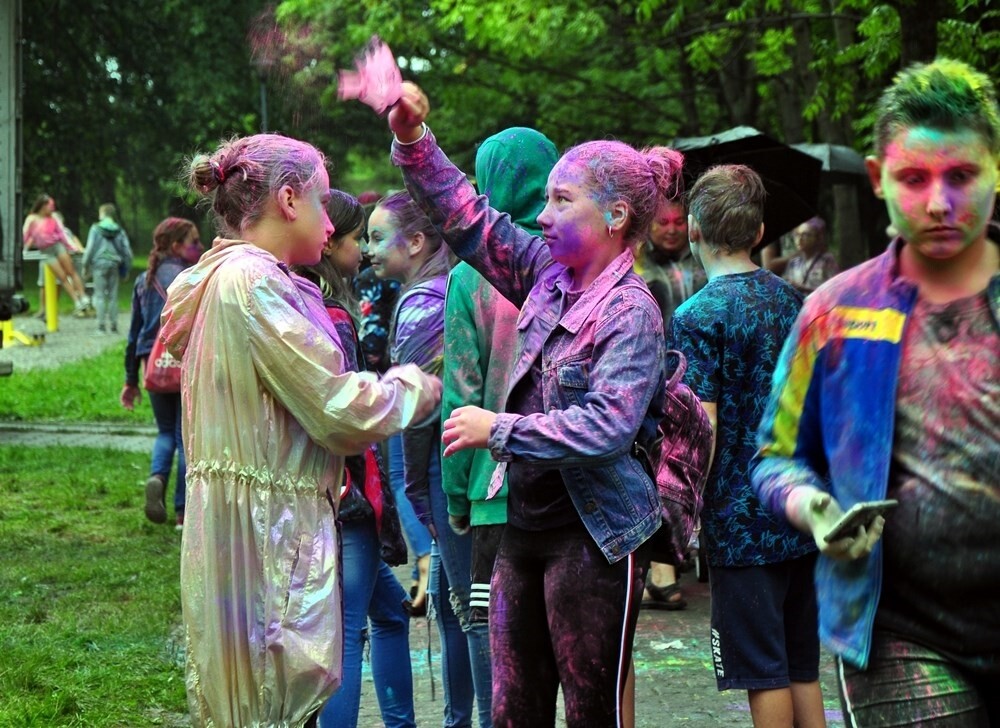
(108, 258)
(479, 346)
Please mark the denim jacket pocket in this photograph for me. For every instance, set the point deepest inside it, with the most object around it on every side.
(572, 382)
(574, 376)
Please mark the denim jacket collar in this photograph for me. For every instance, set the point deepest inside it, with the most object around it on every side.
(596, 292)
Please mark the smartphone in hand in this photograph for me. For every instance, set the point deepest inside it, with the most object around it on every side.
(860, 514)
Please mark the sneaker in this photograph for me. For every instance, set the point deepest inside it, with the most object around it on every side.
(180, 522)
(156, 505)
(100, 329)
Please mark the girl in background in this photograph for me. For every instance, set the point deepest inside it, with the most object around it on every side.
(370, 532)
(43, 232)
(176, 245)
(403, 245)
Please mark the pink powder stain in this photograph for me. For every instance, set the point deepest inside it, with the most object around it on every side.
(280, 50)
(572, 219)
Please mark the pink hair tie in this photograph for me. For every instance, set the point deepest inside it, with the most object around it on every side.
(220, 175)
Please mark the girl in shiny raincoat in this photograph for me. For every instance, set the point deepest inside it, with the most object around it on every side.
(269, 413)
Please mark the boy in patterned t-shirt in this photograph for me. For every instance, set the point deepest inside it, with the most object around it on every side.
(764, 623)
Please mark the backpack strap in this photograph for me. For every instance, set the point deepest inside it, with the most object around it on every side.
(679, 370)
(158, 287)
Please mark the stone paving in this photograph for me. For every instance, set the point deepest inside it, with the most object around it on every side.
(675, 684)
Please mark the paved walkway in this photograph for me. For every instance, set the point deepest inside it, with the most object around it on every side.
(75, 339)
(675, 684)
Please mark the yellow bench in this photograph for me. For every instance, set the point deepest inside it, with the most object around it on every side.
(51, 296)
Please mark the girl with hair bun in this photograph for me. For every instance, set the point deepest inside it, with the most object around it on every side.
(587, 382)
(270, 409)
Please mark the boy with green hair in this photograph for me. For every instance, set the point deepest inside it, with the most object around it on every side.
(889, 387)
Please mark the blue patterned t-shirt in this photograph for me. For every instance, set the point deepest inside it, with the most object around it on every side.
(732, 332)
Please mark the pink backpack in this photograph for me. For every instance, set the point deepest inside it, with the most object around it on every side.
(678, 460)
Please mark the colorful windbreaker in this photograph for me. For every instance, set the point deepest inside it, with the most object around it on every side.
(268, 415)
(480, 334)
(830, 422)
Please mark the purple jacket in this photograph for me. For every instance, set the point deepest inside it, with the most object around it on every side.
(602, 360)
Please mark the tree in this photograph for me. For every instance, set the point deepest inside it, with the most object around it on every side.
(112, 107)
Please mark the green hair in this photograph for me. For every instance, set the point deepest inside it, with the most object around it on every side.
(947, 95)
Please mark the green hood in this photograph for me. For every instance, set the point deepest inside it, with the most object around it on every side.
(512, 168)
(109, 227)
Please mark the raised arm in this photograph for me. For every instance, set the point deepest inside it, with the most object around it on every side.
(507, 256)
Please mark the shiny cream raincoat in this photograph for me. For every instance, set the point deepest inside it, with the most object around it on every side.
(268, 415)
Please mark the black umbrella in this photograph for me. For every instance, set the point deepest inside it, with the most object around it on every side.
(840, 164)
(791, 177)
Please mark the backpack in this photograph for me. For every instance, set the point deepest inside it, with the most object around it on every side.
(118, 243)
(677, 460)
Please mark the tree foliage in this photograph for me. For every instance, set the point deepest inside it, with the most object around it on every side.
(648, 70)
(116, 94)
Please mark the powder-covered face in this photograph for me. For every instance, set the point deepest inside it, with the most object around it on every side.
(190, 248)
(669, 231)
(573, 224)
(387, 246)
(312, 225)
(939, 188)
(345, 252)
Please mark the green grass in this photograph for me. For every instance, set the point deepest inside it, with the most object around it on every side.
(82, 391)
(89, 593)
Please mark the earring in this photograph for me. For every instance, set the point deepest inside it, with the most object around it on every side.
(611, 232)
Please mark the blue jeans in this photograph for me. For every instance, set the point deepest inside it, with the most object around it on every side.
(372, 593)
(465, 661)
(167, 412)
(417, 535)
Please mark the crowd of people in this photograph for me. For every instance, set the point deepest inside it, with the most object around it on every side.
(478, 393)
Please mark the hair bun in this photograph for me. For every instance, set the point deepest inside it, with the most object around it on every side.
(666, 164)
(203, 174)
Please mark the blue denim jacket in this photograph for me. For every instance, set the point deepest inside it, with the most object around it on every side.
(147, 305)
(602, 360)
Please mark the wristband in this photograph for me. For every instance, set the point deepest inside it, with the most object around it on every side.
(423, 133)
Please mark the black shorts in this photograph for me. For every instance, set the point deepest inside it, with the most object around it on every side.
(765, 632)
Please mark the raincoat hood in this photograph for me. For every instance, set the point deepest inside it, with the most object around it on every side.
(512, 168)
(109, 227)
